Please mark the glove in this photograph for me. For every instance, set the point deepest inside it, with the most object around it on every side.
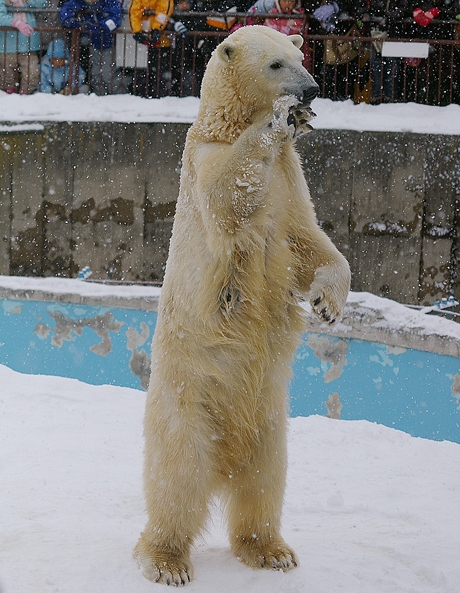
(326, 12)
(91, 27)
(181, 29)
(204, 48)
(424, 18)
(141, 38)
(109, 24)
(154, 37)
(22, 27)
(72, 23)
(326, 15)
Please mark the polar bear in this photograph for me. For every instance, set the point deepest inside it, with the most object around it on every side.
(246, 247)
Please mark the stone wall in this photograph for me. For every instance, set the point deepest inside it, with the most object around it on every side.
(103, 195)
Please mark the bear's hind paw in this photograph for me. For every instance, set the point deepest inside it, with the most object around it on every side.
(162, 567)
(270, 556)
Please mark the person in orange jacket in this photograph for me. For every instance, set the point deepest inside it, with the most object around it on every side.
(147, 28)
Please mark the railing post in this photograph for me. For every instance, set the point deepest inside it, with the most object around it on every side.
(73, 63)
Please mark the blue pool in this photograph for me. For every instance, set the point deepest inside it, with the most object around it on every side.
(404, 388)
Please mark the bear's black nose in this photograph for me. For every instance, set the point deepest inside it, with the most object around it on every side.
(310, 94)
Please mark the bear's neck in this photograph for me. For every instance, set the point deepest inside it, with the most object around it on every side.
(226, 110)
(219, 125)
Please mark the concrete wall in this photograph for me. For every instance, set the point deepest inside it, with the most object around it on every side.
(103, 195)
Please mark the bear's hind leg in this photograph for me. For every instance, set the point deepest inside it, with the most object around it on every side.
(178, 486)
(254, 504)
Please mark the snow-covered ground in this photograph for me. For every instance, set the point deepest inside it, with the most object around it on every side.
(368, 508)
(410, 117)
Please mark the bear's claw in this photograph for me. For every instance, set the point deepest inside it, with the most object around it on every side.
(275, 557)
(282, 120)
(300, 117)
(328, 292)
(162, 566)
(168, 574)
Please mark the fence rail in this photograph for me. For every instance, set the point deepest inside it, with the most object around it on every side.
(345, 66)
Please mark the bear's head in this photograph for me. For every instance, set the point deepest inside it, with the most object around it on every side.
(247, 72)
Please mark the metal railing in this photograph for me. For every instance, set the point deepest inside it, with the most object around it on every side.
(177, 66)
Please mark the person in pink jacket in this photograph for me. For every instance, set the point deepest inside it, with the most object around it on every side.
(291, 26)
(19, 45)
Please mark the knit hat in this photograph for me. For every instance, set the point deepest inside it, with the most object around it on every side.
(57, 49)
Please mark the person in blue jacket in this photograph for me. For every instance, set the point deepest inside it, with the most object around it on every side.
(55, 70)
(97, 20)
(19, 67)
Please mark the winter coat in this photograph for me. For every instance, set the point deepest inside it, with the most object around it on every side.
(262, 7)
(52, 79)
(16, 41)
(290, 26)
(105, 16)
(163, 10)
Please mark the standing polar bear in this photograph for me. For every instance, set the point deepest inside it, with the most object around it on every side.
(245, 248)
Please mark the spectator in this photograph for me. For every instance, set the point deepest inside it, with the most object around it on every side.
(215, 23)
(292, 26)
(384, 19)
(296, 25)
(442, 84)
(147, 31)
(185, 49)
(340, 70)
(55, 71)
(97, 20)
(19, 67)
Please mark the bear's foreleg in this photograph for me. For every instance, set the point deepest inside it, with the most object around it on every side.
(323, 273)
(233, 180)
(254, 503)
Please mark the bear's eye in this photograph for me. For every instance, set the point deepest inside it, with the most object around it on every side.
(276, 65)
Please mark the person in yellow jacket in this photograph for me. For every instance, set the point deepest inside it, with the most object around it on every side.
(147, 28)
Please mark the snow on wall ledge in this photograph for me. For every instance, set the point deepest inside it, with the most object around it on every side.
(398, 117)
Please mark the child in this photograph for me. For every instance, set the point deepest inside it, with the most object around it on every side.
(293, 26)
(147, 30)
(287, 26)
(55, 70)
(97, 19)
(19, 69)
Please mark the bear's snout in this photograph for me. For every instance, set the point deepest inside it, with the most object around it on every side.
(310, 94)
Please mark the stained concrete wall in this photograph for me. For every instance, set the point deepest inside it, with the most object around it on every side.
(103, 195)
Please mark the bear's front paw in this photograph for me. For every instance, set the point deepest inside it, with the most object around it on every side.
(299, 117)
(329, 290)
(281, 121)
(272, 555)
(162, 565)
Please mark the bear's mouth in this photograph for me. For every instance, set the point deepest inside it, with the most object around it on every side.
(308, 95)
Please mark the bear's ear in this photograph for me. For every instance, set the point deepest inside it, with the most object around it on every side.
(226, 51)
(297, 40)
